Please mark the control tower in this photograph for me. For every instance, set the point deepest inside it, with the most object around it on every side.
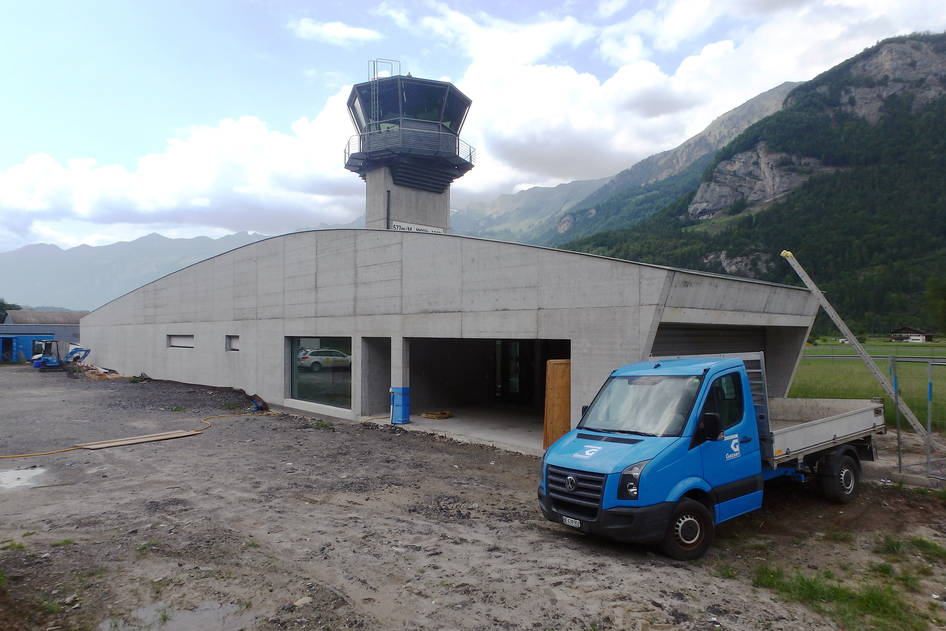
(408, 148)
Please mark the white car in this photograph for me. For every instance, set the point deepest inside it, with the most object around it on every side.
(319, 358)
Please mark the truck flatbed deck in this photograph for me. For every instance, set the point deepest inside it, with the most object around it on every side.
(798, 427)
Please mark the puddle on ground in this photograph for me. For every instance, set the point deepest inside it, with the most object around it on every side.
(21, 477)
(207, 616)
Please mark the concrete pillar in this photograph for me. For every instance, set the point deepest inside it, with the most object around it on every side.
(357, 368)
(375, 375)
(400, 381)
(783, 350)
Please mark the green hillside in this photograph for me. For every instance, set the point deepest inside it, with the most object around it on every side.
(871, 234)
(621, 210)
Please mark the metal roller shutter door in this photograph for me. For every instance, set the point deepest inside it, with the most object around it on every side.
(675, 339)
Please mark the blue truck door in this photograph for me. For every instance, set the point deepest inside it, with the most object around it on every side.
(732, 466)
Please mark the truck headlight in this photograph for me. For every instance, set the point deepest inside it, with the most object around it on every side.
(630, 481)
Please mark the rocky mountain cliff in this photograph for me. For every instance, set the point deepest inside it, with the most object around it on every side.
(865, 87)
(848, 175)
(667, 163)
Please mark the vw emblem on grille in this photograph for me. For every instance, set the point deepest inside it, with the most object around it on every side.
(571, 483)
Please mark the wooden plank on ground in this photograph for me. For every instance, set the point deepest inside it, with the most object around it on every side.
(558, 399)
(134, 440)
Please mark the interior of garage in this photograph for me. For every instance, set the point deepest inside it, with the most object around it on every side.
(486, 384)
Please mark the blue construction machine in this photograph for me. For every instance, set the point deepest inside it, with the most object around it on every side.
(47, 355)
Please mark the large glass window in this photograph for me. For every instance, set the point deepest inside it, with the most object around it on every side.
(387, 100)
(321, 370)
(359, 113)
(455, 112)
(423, 101)
(388, 107)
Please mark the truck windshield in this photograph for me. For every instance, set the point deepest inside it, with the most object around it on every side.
(650, 405)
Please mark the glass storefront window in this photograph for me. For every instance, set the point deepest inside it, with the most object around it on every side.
(321, 370)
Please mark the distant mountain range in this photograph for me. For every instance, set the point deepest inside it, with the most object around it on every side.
(86, 277)
(554, 215)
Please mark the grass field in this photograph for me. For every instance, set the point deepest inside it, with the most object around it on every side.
(877, 347)
(850, 379)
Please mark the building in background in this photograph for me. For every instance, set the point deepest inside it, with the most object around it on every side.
(909, 334)
(21, 328)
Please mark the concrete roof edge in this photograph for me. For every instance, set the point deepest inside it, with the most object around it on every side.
(462, 236)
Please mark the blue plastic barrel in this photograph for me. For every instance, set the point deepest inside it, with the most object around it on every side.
(400, 406)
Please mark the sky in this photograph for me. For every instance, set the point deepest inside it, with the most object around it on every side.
(119, 119)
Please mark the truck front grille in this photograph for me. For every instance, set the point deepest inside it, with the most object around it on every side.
(583, 501)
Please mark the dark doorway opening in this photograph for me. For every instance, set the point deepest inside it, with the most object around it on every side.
(482, 374)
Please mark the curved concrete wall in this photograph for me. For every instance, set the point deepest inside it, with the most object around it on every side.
(368, 283)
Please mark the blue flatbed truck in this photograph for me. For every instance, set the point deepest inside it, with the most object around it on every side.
(671, 447)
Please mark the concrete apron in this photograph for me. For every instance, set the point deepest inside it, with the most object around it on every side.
(510, 430)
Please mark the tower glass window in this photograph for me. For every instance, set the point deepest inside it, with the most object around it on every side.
(455, 111)
(423, 101)
(388, 106)
(358, 111)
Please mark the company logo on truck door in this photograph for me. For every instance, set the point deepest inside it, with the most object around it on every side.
(589, 451)
(733, 447)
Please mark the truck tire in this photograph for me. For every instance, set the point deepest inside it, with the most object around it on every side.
(841, 478)
(690, 531)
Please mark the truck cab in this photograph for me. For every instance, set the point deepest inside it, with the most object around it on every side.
(669, 448)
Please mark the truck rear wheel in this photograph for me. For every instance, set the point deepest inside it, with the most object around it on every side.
(841, 479)
(690, 532)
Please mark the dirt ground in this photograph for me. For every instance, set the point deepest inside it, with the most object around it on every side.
(292, 522)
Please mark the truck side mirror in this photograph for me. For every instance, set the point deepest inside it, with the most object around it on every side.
(711, 425)
(584, 409)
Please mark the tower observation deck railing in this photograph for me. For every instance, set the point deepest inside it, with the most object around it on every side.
(410, 141)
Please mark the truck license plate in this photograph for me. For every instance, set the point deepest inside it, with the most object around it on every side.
(568, 521)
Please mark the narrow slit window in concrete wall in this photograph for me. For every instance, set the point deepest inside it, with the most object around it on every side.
(233, 343)
(180, 341)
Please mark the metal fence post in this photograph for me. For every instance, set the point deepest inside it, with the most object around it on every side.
(896, 404)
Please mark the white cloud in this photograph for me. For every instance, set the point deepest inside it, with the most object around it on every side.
(607, 8)
(238, 175)
(336, 33)
(396, 13)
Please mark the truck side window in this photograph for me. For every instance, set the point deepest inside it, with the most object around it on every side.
(725, 398)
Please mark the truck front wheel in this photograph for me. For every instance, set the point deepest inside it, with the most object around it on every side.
(841, 479)
(690, 532)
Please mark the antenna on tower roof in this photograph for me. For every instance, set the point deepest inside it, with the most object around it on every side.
(380, 68)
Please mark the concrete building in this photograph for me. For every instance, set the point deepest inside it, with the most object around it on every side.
(334, 321)
(462, 322)
(20, 329)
